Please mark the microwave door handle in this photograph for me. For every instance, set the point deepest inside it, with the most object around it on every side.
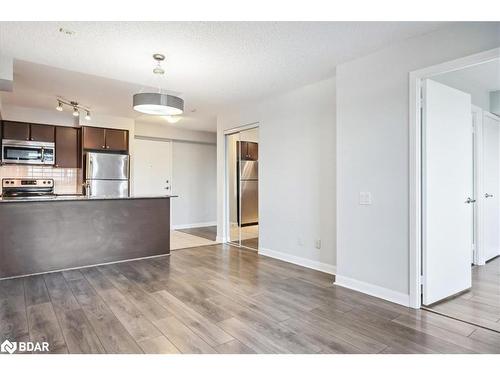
(43, 155)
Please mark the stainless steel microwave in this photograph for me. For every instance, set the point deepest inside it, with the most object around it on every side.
(28, 152)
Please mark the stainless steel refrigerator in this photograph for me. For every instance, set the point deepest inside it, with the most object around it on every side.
(106, 175)
(248, 191)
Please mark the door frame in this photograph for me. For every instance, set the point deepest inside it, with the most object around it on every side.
(480, 257)
(415, 166)
(226, 224)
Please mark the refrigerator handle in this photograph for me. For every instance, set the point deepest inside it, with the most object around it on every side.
(88, 190)
(90, 172)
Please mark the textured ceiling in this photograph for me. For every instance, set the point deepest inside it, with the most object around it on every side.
(213, 65)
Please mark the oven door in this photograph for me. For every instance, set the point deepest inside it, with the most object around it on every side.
(20, 152)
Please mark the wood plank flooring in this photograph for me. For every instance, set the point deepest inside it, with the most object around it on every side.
(481, 304)
(219, 299)
(209, 233)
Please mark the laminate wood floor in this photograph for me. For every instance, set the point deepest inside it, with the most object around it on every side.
(219, 299)
(209, 233)
(481, 304)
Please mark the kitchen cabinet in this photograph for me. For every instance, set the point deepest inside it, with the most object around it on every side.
(19, 131)
(23, 131)
(67, 147)
(105, 139)
(252, 151)
(116, 140)
(42, 133)
(94, 138)
(249, 150)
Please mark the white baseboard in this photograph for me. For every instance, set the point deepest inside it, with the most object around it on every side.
(304, 262)
(373, 290)
(194, 225)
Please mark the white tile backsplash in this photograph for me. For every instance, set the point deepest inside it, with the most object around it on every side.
(65, 179)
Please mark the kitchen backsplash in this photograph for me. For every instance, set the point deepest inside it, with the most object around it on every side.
(65, 179)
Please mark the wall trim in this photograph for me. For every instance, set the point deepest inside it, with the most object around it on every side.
(194, 225)
(304, 262)
(373, 290)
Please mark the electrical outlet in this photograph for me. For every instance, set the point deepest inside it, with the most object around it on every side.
(317, 244)
(365, 198)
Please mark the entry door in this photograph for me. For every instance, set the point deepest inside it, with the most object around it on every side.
(152, 167)
(447, 162)
(491, 186)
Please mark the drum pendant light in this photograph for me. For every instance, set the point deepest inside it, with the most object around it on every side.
(158, 103)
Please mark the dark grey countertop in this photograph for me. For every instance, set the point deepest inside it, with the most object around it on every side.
(63, 197)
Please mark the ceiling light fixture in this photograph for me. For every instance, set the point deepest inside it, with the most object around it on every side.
(158, 103)
(61, 102)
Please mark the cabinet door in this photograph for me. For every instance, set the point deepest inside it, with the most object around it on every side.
(116, 140)
(67, 150)
(19, 131)
(42, 133)
(242, 150)
(93, 138)
(252, 151)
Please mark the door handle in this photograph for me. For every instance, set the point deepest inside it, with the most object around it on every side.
(470, 200)
(488, 195)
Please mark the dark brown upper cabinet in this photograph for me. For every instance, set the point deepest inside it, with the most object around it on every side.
(67, 147)
(252, 151)
(249, 150)
(105, 139)
(22, 131)
(116, 140)
(42, 133)
(94, 138)
(19, 131)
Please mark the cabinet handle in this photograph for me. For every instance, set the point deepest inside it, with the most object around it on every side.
(107, 146)
(103, 146)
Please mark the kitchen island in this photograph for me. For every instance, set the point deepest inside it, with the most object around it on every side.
(48, 234)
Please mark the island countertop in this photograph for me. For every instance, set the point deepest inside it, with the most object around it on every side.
(46, 235)
(77, 197)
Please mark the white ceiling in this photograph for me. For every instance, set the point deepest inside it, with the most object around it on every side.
(213, 65)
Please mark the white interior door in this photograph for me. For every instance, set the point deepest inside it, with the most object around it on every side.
(491, 186)
(447, 225)
(152, 167)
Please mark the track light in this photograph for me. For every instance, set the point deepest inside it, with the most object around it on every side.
(61, 102)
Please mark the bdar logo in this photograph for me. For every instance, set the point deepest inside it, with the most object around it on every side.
(8, 347)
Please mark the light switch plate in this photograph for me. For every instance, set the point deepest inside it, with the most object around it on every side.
(365, 198)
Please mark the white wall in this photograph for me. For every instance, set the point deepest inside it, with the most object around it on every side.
(165, 131)
(372, 118)
(495, 102)
(194, 171)
(37, 115)
(296, 172)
